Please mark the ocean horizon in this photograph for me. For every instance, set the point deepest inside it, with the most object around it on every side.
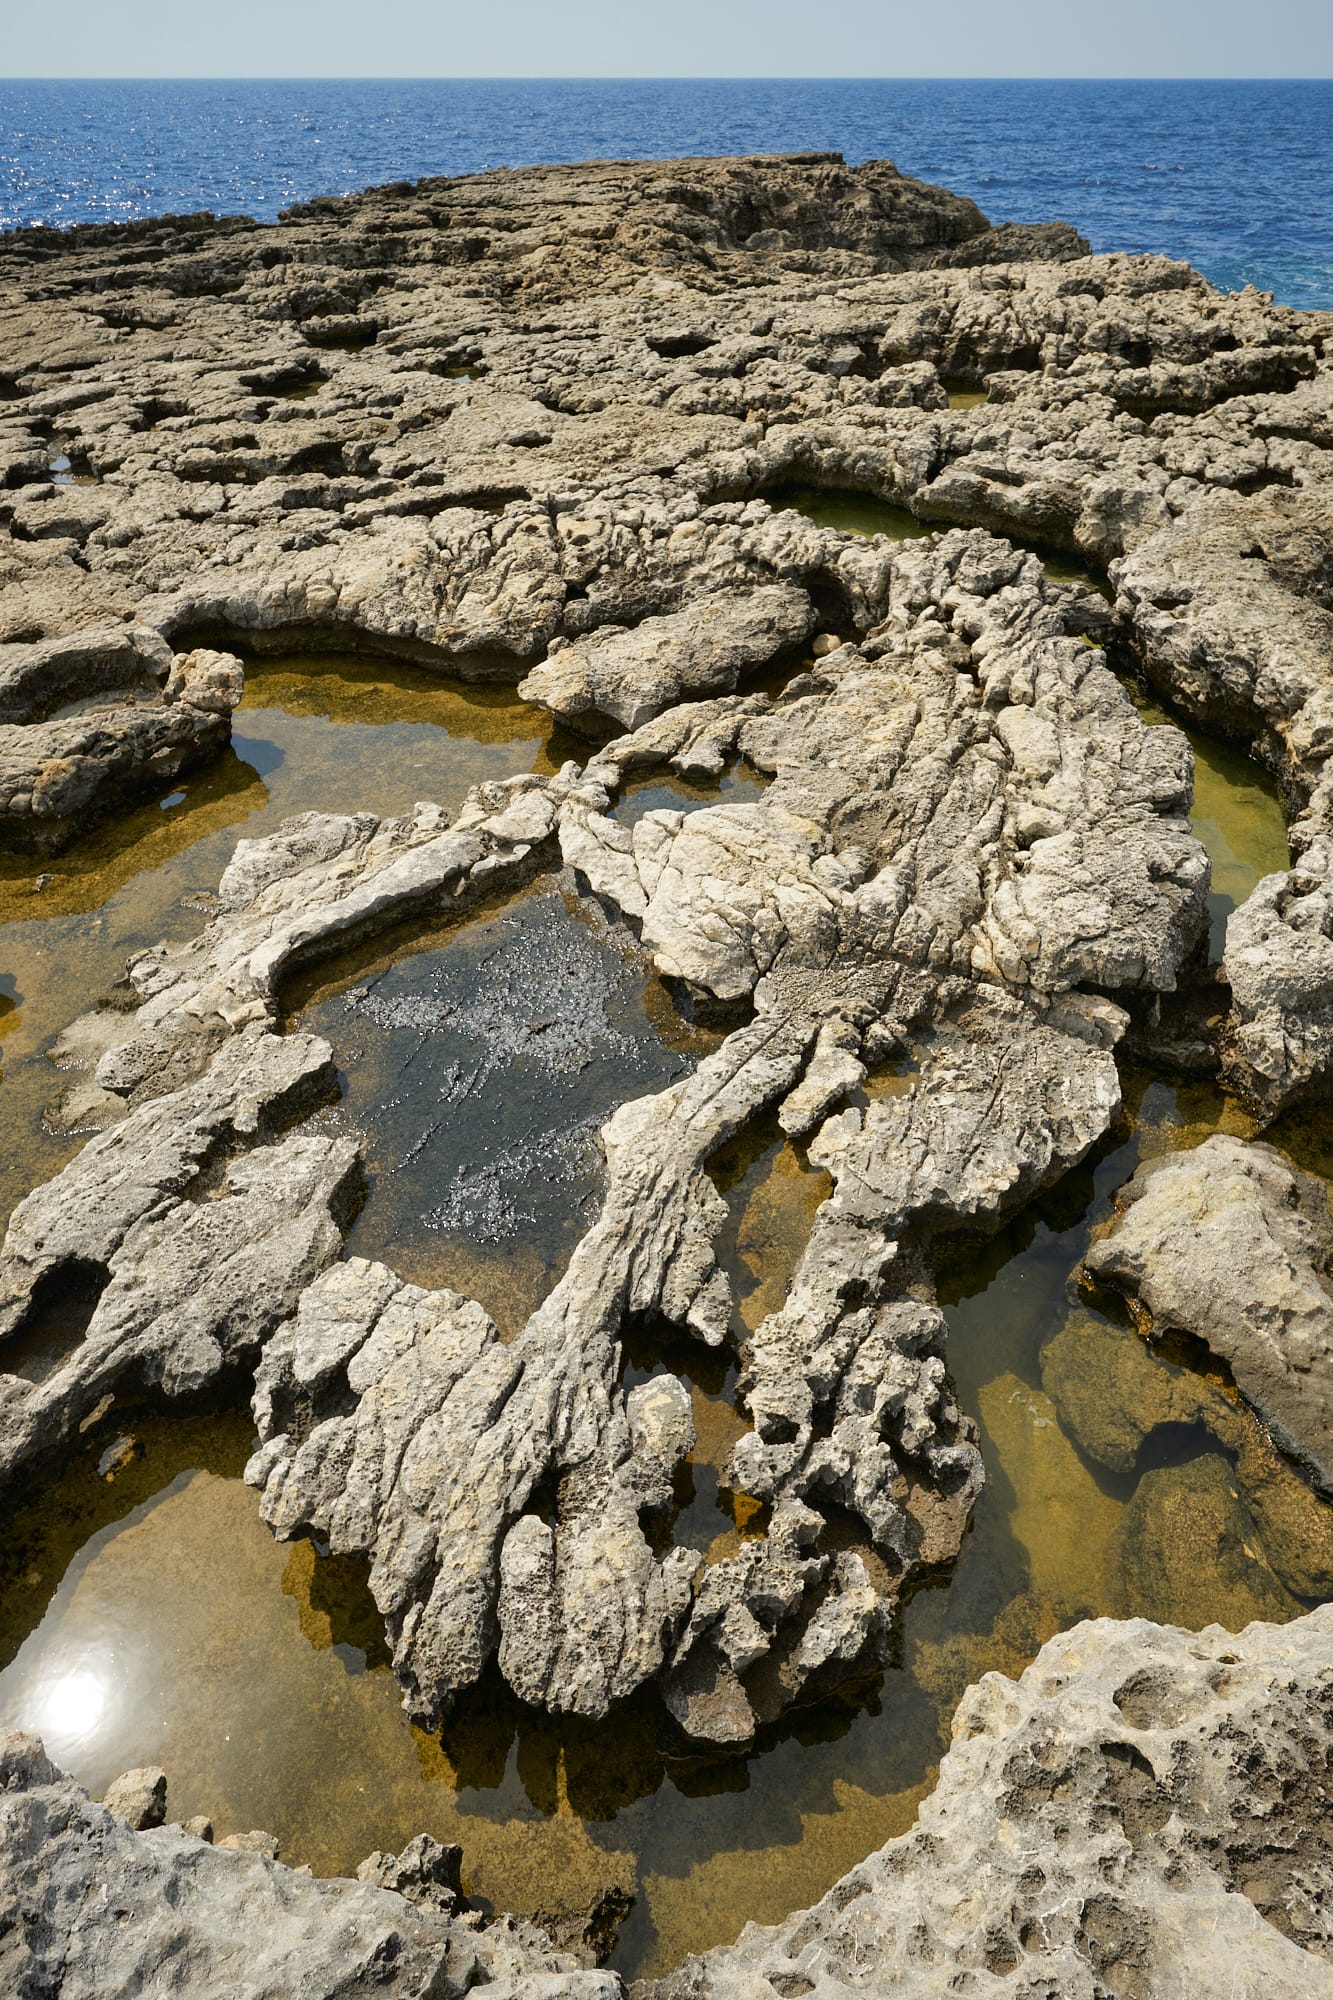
(1234, 176)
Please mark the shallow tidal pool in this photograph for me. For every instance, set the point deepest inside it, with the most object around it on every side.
(148, 1616)
(151, 1618)
(313, 733)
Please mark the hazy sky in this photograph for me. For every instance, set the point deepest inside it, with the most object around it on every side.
(1275, 38)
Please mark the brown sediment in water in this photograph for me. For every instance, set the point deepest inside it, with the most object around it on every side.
(177, 1631)
(251, 1670)
(772, 1193)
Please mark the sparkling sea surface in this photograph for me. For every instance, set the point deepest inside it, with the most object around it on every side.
(1235, 176)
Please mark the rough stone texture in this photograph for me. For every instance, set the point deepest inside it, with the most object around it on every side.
(548, 403)
(1142, 1815)
(539, 424)
(139, 1798)
(90, 1907)
(632, 676)
(1279, 961)
(171, 1246)
(1233, 1245)
(968, 832)
(89, 719)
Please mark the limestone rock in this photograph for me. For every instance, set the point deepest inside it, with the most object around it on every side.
(1279, 964)
(130, 1268)
(139, 1798)
(93, 718)
(1233, 1245)
(703, 649)
(90, 1907)
(1141, 1813)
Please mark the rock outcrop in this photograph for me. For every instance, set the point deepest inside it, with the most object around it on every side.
(542, 427)
(88, 720)
(1233, 1245)
(525, 423)
(91, 1905)
(1142, 1813)
(969, 836)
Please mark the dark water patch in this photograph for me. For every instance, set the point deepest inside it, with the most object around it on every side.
(152, 1619)
(669, 791)
(481, 1069)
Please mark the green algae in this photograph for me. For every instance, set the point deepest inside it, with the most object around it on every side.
(850, 512)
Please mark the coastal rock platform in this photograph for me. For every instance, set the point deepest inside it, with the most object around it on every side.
(543, 429)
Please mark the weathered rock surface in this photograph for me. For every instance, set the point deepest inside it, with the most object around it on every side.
(89, 1906)
(171, 1246)
(933, 859)
(540, 424)
(1233, 1245)
(1142, 1813)
(484, 422)
(1279, 962)
(629, 677)
(89, 719)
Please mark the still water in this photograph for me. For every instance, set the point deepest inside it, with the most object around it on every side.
(147, 1616)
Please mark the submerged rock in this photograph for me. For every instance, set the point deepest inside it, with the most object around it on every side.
(1114, 1395)
(1231, 1244)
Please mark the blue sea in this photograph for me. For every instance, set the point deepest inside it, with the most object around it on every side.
(1236, 177)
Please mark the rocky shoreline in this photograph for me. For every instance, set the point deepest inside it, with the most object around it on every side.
(523, 428)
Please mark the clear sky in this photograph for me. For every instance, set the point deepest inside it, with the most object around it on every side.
(882, 38)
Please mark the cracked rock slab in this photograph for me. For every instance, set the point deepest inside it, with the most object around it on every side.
(704, 649)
